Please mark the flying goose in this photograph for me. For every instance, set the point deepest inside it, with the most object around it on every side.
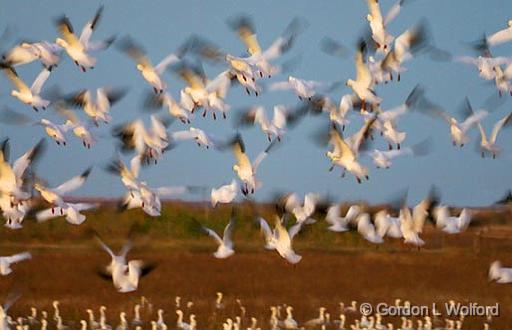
(488, 143)
(179, 110)
(30, 96)
(224, 194)
(363, 83)
(70, 210)
(124, 275)
(79, 49)
(81, 130)
(499, 273)
(198, 135)
(451, 224)
(386, 225)
(98, 110)
(152, 74)
(409, 227)
(339, 223)
(280, 239)
(501, 36)
(54, 196)
(301, 211)
(7, 261)
(345, 152)
(25, 52)
(305, 89)
(246, 170)
(404, 48)
(383, 159)
(378, 24)
(226, 247)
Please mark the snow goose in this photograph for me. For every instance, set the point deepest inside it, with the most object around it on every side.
(152, 74)
(383, 159)
(301, 211)
(458, 130)
(30, 96)
(196, 134)
(14, 214)
(224, 194)
(488, 144)
(96, 109)
(366, 228)
(289, 322)
(246, 170)
(180, 323)
(501, 36)
(78, 48)
(451, 224)
(387, 225)
(362, 85)
(4, 318)
(485, 64)
(405, 47)
(205, 93)
(226, 247)
(345, 152)
(20, 54)
(176, 109)
(7, 261)
(408, 227)
(378, 24)
(70, 210)
(305, 89)
(258, 58)
(499, 273)
(280, 239)
(81, 130)
(54, 196)
(319, 321)
(124, 275)
(13, 177)
(336, 221)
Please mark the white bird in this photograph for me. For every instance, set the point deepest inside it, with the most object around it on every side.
(98, 110)
(54, 196)
(405, 47)
(81, 130)
(501, 36)
(485, 64)
(30, 96)
(387, 225)
(7, 261)
(280, 239)
(152, 74)
(363, 84)
(289, 322)
(383, 159)
(305, 89)
(301, 211)
(226, 247)
(70, 210)
(451, 224)
(366, 228)
(224, 194)
(458, 131)
(275, 128)
(24, 53)
(336, 221)
(499, 273)
(246, 170)
(176, 109)
(195, 134)
(488, 144)
(79, 48)
(125, 275)
(4, 318)
(409, 227)
(378, 24)
(345, 152)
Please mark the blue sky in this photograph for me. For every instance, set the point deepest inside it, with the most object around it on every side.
(298, 164)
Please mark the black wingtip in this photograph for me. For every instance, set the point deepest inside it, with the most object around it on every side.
(86, 173)
(97, 17)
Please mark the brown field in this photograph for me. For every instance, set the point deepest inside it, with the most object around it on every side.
(335, 268)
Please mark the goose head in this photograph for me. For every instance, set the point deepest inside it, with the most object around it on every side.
(369, 18)
(509, 23)
(140, 67)
(350, 83)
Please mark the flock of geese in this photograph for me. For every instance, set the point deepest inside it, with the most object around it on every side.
(380, 58)
(235, 316)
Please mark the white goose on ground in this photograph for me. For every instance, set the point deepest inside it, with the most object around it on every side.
(79, 49)
(7, 261)
(30, 96)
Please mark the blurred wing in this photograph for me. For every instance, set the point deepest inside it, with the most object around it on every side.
(504, 122)
(73, 183)
(168, 60)
(39, 82)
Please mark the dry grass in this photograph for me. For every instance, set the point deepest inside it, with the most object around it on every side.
(335, 267)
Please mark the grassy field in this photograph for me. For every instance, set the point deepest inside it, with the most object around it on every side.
(335, 267)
